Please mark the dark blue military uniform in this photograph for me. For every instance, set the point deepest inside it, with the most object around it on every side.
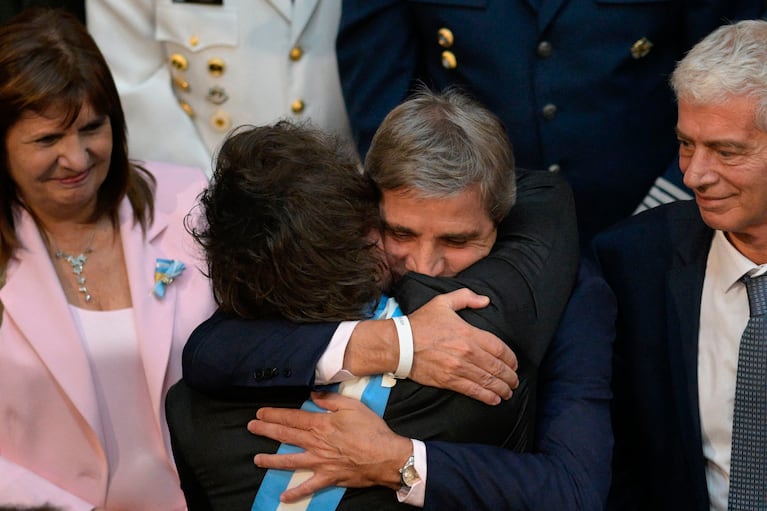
(581, 85)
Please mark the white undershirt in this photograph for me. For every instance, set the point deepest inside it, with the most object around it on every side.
(140, 471)
(724, 313)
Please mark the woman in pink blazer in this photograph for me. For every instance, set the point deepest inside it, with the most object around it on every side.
(102, 285)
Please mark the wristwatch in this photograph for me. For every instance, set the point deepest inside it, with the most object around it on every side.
(408, 474)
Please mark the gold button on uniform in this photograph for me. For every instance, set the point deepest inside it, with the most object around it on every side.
(194, 41)
(297, 106)
(220, 121)
(178, 62)
(216, 67)
(641, 48)
(448, 60)
(445, 37)
(186, 107)
(296, 53)
(180, 84)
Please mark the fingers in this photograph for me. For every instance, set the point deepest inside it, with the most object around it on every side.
(281, 461)
(501, 360)
(333, 401)
(265, 426)
(451, 354)
(308, 487)
(463, 298)
(487, 379)
(298, 461)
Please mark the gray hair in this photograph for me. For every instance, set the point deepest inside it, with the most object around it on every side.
(730, 61)
(440, 144)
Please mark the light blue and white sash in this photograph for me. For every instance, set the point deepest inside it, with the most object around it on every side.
(373, 391)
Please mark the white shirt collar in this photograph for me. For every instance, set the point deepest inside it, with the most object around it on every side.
(731, 265)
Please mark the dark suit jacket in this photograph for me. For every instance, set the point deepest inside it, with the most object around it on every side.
(228, 359)
(559, 73)
(656, 264)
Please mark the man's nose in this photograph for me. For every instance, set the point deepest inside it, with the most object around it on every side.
(74, 153)
(426, 259)
(699, 170)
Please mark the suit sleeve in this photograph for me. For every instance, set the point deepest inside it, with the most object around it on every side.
(158, 128)
(570, 465)
(225, 353)
(19, 486)
(630, 471)
(373, 86)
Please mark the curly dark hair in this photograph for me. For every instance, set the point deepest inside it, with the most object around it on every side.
(286, 227)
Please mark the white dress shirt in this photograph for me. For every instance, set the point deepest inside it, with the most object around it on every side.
(724, 312)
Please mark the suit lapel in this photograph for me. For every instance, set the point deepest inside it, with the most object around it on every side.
(547, 10)
(302, 14)
(685, 287)
(35, 302)
(154, 316)
(283, 7)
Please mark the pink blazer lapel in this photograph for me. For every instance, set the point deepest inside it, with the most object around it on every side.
(35, 302)
(154, 316)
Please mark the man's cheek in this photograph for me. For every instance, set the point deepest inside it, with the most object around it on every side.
(396, 265)
(394, 258)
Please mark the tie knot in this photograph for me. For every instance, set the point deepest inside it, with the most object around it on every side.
(756, 287)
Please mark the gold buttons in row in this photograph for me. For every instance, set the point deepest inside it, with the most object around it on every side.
(216, 66)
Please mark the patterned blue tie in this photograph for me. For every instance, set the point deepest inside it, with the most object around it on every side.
(748, 468)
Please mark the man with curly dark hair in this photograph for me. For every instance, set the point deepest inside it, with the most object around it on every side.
(291, 227)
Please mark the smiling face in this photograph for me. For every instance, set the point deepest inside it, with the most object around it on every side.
(58, 169)
(723, 156)
(435, 236)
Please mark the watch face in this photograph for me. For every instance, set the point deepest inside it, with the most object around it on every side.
(409, 476)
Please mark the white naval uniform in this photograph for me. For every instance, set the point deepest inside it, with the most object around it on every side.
(188, 73)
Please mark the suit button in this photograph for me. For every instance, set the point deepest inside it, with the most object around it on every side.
(220, 121)
(186, 107)
(445, 37)
(296, 53)
(217, 95)
(554, 168)
(178, 62)
(274, 372)
(181, 84)
(297, 106)
(258, 374)
(544, 49)
(216, 67)
(448, 60)
(287, 373)
(641, 48)
(549, 111)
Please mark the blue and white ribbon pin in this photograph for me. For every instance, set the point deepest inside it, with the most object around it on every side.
(165, 272)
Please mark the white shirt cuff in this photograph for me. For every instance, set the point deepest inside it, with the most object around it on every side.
(330, 367)
(415, 494)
